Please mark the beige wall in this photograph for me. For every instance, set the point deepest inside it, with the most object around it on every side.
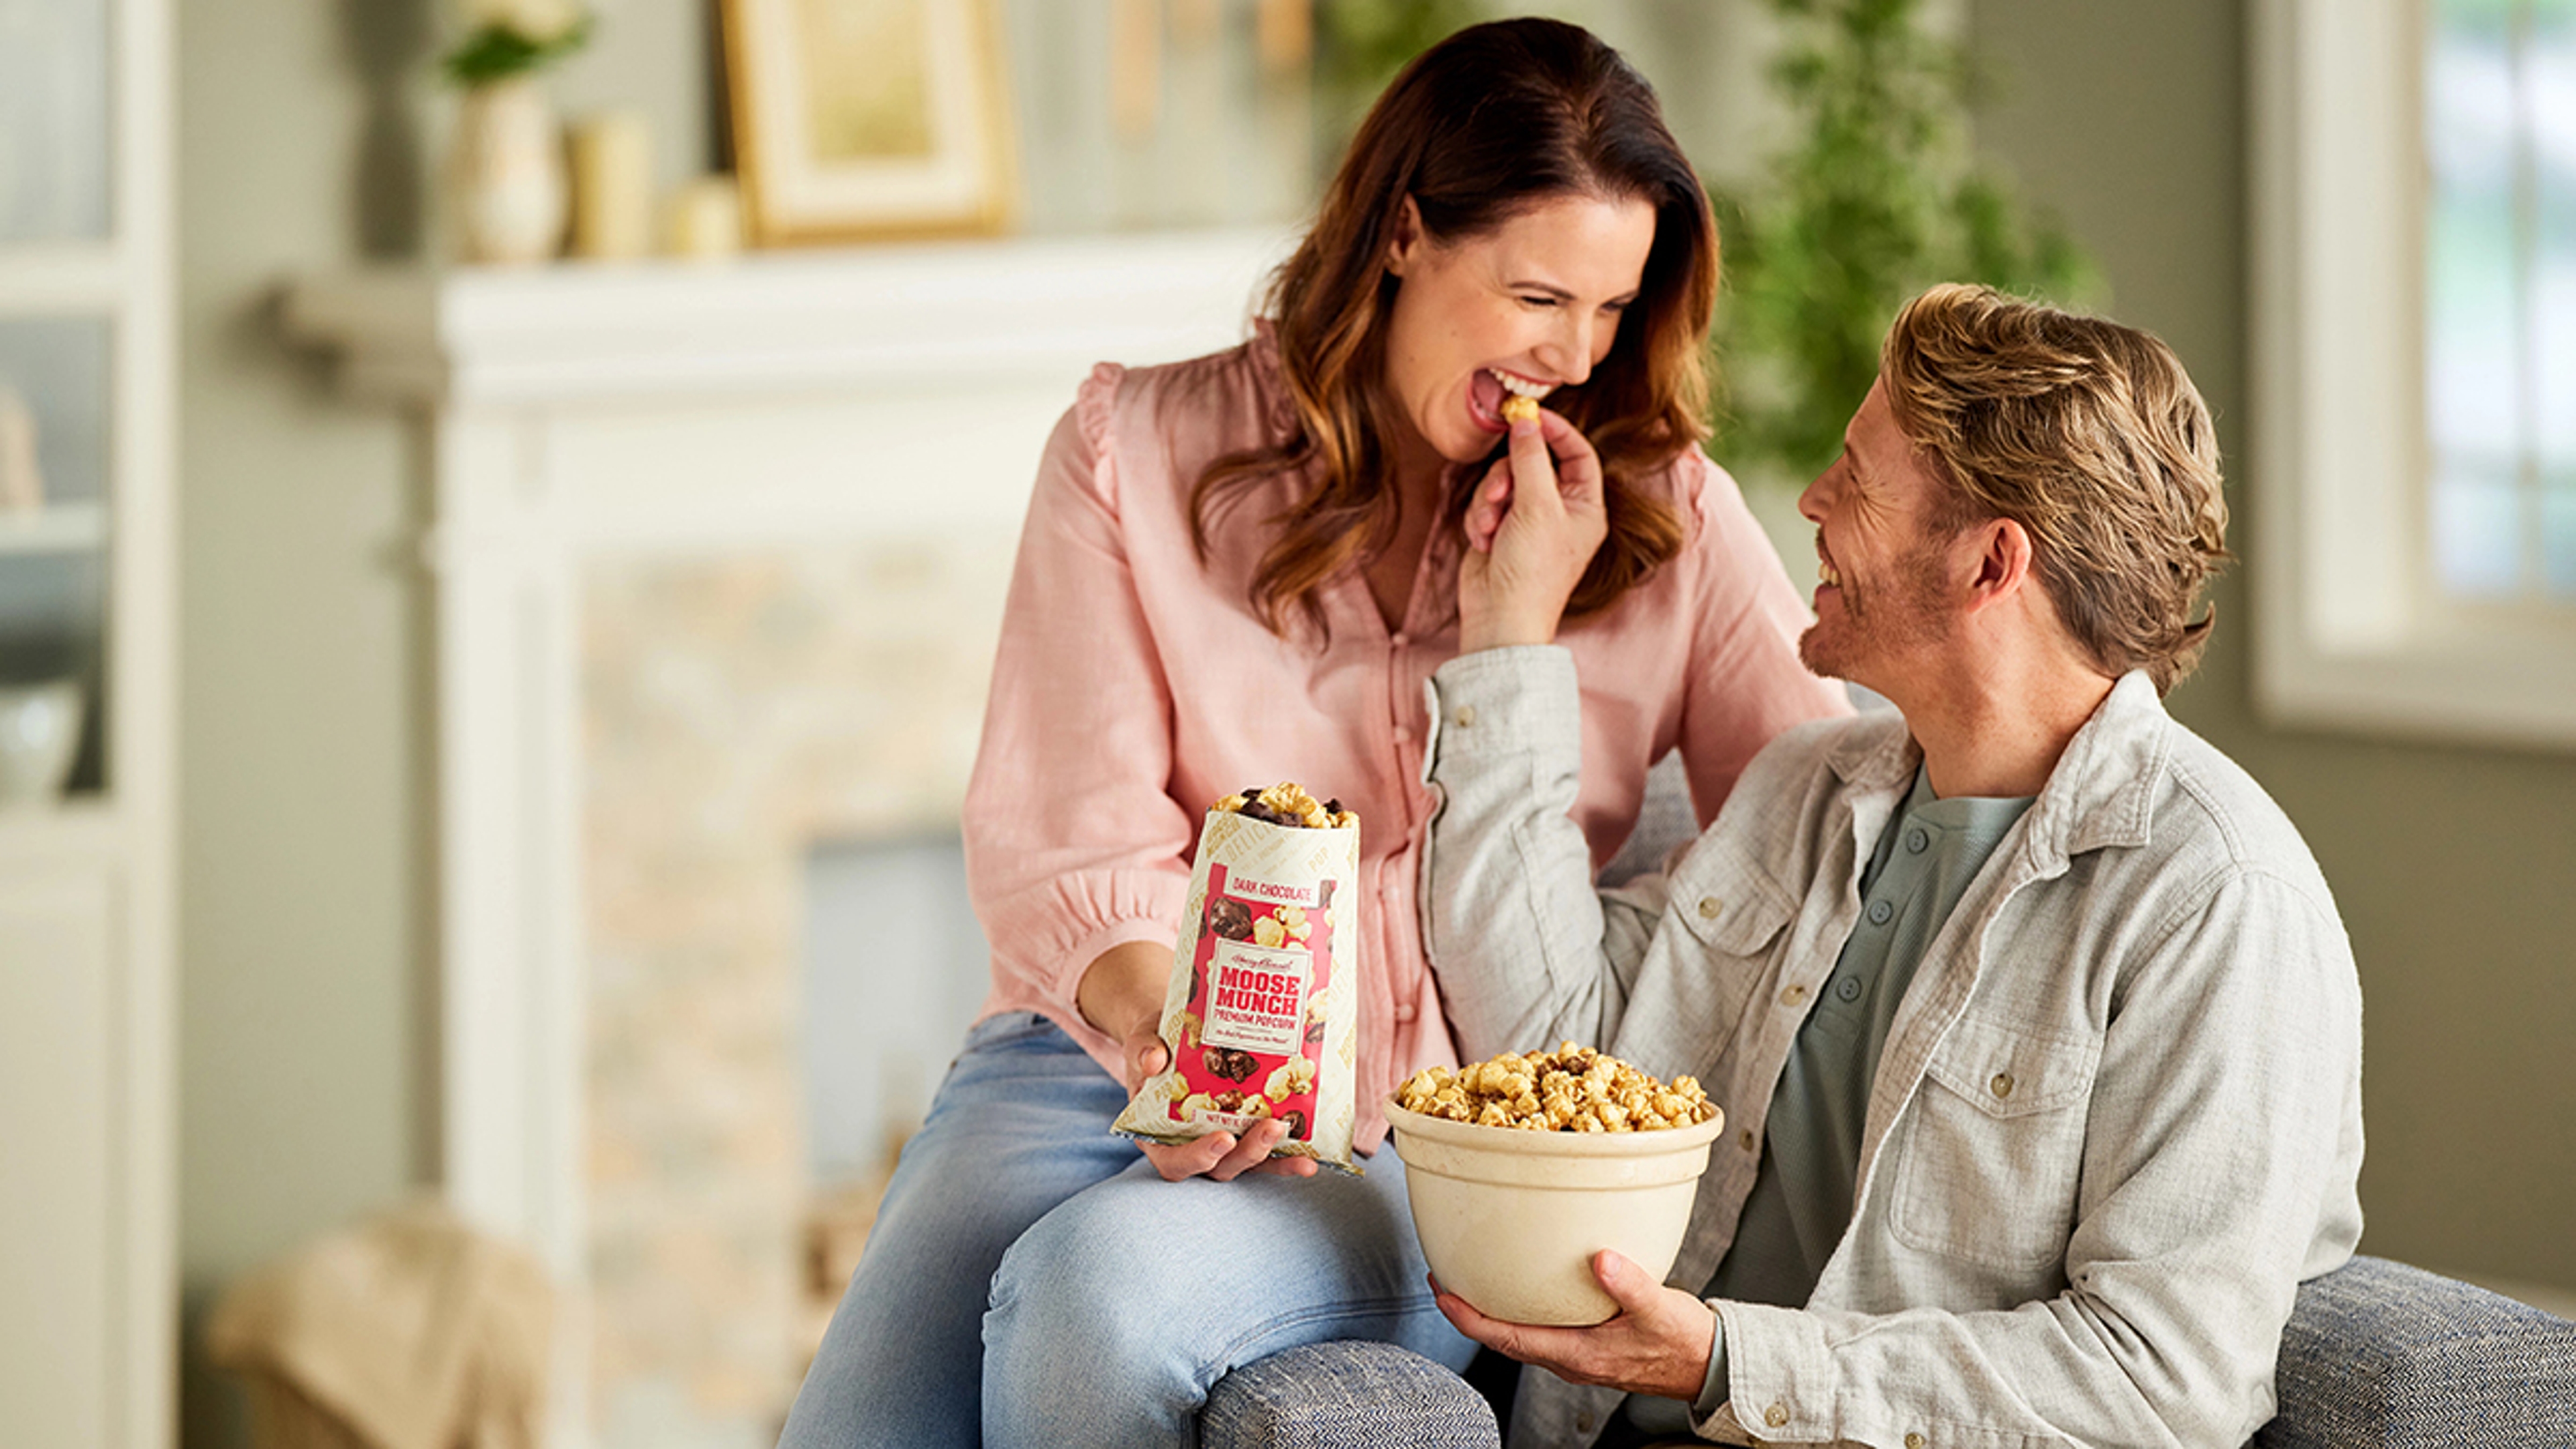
(2451, 864)
(299, 834)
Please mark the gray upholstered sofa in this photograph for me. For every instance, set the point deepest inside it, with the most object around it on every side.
(2377, 1354)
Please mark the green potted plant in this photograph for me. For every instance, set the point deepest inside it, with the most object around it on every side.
(506, 168)
(1877, 196)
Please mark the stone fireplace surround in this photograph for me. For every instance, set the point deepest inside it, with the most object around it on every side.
(717, 556)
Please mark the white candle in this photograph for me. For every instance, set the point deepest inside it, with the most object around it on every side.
(1284, 32)
(22, 487)
(612, 186)
(1135, 66)
(706, 218)
(1197, 24)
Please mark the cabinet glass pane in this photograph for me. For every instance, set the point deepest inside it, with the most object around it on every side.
(54, 179)
(53, 391)
(54, 523)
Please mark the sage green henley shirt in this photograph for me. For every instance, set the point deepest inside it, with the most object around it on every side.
(1803, 1192)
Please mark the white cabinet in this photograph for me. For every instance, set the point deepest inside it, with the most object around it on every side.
(58, 1212)
(88, 1286)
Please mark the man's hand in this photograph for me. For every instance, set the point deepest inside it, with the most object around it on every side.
(1121, 994)
(1532, 528)
(1658, 1344)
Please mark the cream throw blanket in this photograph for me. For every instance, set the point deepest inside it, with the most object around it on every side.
(407, 1331)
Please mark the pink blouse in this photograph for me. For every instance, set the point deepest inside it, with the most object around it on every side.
(1134, 687)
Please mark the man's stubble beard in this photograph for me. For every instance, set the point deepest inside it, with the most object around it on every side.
(1882, 625)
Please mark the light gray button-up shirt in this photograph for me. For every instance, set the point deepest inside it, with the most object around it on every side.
(2116, 1121)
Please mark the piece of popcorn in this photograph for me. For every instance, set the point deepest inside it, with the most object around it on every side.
(1293, 1076)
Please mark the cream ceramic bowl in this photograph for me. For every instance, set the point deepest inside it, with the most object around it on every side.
(1510, 1219)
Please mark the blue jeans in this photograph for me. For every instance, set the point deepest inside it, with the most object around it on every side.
(1031, 1281)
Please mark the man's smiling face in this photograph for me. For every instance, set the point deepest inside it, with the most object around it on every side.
(1880, 555)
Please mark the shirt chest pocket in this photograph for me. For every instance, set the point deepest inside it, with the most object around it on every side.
(1990, 1163)
(1731, 915)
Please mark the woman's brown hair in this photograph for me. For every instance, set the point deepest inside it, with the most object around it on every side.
(1479, 128)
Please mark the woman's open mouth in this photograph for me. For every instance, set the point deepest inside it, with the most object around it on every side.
(1487, 388)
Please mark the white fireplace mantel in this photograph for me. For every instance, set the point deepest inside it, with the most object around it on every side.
(687, 409)
(780, 322)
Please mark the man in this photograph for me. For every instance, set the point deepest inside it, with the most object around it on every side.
(2035, 1026)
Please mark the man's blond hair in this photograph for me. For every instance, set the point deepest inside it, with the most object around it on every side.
(2091, 437)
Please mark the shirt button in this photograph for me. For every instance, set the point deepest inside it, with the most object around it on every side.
(1917, 840)
(1464, 717)
(1399, 639)
(1404, 1013)
(1709, 906)
(2002, 1085)
(1913, 1441)
(1776, 1415)
(1583, 1423)
(1794, 996)
(1879, 911)
(1848, 988)
(1403, 735)
(1744, 1139)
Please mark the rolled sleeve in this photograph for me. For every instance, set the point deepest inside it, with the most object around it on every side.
(1506, 702)
(1511, 922)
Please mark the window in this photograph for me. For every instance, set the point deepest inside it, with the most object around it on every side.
(2414, 470)
(2500, 296)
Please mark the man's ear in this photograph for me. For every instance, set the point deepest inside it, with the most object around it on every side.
(2004, 558)
(1404, 238)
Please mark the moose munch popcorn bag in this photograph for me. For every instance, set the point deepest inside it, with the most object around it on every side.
(1260, 1012)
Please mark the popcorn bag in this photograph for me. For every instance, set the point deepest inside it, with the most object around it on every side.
(1260, 1012)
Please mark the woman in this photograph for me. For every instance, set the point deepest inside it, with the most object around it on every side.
(1242, 569)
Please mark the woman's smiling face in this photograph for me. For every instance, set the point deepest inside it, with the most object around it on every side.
(1530, 306)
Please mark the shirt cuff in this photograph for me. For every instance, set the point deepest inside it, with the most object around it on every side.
(1097, 943)
(1712, 1389)
(1504, 701)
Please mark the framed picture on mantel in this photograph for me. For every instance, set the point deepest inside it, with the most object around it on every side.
(868, 118)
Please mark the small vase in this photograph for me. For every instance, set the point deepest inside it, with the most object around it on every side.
(40, 729)
(506, 174)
